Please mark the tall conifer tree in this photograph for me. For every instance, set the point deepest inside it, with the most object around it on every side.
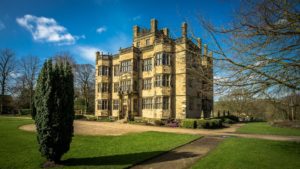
(54, 102)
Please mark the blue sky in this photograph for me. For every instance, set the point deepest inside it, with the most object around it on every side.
(80, 27)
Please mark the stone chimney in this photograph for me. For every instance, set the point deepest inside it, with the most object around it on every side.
(166, 32)
(184, 30)
(136, 31)
(97, 56)
(153, 25)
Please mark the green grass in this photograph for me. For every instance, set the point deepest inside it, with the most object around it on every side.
(242, 153)
(19, 149)
(265, 128)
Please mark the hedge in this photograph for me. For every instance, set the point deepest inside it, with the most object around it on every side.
(202, 123)
(188, 123)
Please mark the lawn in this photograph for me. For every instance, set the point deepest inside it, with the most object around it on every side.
(242, 153)
(265, 128)
(19, 149)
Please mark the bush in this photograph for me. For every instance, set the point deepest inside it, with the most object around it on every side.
(102, 119)
(209, 123)
(228, 121)
(201, 123)
(158, 122)
(189, 123)
(91, 117)
(25, 111)
(171, 123)
(215, 123)
(79, 116)
(233, 118)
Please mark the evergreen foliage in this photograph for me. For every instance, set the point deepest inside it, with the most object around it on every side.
(54, 103)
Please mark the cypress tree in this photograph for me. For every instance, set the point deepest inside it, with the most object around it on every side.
(54, 116)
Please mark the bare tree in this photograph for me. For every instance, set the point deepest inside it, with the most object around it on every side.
(85, 79)
(29, 68)
(7, 68)
(260, 48)
(63, 57)
(264, 44)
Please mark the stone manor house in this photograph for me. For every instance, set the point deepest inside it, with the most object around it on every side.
(157, 77)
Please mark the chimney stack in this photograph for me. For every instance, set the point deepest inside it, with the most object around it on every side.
(153, 25)
(136, 31)
(166, 32)
(184, 30)
(97, 56)
(205, 50)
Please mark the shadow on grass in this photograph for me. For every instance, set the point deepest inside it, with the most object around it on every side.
(123, 159)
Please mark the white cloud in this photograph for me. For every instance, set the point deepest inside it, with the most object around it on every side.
(88, 52)
(2, 26)
(46, 30)
(101, 29)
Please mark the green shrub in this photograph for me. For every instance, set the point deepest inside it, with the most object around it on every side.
(201, 123)
(158, 122)
(228, 121)
(233, 118)
(102, 119)
(91, 117)
(215, 123)
(25, 111)
(79, 116)
(209, 123)
(189, 123)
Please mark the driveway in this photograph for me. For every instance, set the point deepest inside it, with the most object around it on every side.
(115, 128)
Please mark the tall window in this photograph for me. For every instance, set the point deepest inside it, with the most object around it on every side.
(162, 80)
(147, 103)
(126, 66)
(116, 87)
(103, 87)
(125, 85)
(147, 64)
(162, 59)
(191, 105)
(116, 70)
(162, 102)
(102, 104)
(147, 84)
(158, 59)
(158, 103)
(166, 102)
(147, 42)
(115, 104)
(103, 71)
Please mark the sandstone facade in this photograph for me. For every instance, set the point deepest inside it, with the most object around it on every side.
(157, 77)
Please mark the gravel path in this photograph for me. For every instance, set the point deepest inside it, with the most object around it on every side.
(115, 128)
